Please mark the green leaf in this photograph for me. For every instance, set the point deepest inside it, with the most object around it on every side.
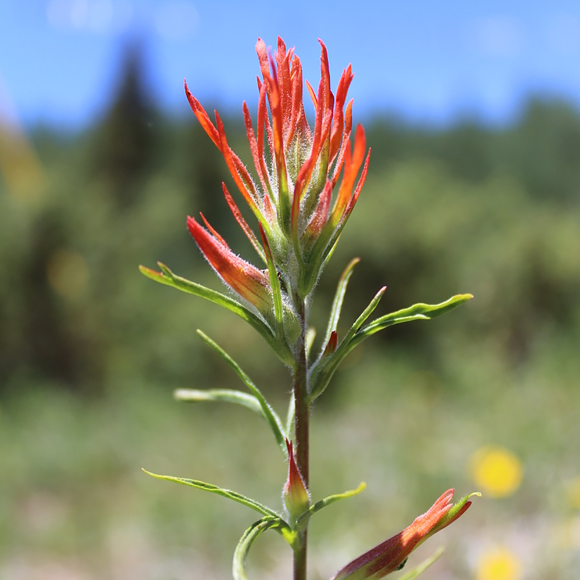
(338, 300)
(366, 313)
(324, 370)
(303, 519)
(246, 541)
(219, 395)
(167, 277)
(422, 566)
(233, 495)
(269, 413)
(416, 312)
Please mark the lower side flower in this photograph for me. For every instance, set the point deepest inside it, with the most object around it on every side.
(252, 284)
(392, 554)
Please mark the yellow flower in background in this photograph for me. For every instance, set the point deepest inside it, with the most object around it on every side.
(499, 564)
(496, 471)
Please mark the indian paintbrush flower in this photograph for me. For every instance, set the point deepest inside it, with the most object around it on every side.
(392, 554)
(297, 174)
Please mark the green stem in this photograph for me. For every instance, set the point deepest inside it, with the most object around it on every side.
(301, 434)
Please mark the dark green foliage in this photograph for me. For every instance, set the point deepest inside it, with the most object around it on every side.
(494, 212)
(128, 137)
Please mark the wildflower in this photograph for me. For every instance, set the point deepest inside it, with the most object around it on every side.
(499, 564)
(299, 168)
(392, 554)
(295, 495)
(497, 471)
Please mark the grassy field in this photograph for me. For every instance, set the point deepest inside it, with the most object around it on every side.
(75, 504)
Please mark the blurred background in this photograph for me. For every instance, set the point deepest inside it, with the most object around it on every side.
(472, 111)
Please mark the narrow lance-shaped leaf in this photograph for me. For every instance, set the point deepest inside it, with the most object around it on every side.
(365, 314)
(269, 413)
(338, 300)
(327, 367)
(325, 363)
(219, 396)
(416, 312)
(303, 519)
(246, 541)
(167, 277)
(233, 495)
(412, 574)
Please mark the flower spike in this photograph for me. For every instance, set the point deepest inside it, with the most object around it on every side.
(392, 554)
(297, 166)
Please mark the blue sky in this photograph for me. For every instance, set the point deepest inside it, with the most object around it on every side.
(428, 60)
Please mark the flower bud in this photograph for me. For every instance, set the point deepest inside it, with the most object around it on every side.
(392, 554)
(252, 284)
(295, 495)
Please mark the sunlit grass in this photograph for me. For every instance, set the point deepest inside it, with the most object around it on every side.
(72, 493)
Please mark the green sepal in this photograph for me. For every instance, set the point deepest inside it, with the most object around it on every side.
(233, 495)
(219, 396)
(321, 253)
(248, 538)
(167, 277)
(275, 284)
(412, 574)
(267, 411)
(452, 514)
(302, 521)
(315, 258)
(323, 371)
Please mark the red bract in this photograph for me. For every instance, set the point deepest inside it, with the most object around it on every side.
(299, 167)
(246, 280)
(392, 554)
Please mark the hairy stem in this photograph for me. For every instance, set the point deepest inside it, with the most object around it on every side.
(301, 434)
